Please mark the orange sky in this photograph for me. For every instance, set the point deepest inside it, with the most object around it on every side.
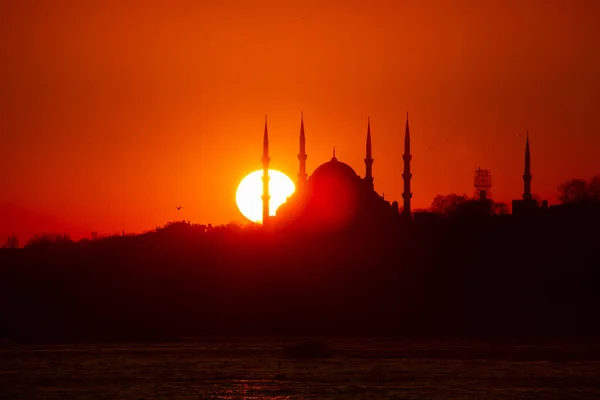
(112, 112)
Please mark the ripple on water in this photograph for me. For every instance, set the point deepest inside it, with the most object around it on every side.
(178, 372)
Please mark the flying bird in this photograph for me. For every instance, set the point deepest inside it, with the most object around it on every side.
(178, 208)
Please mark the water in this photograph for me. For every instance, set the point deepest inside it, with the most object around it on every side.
(242, 369)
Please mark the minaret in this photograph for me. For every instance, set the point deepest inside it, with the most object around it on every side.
(407, 157)
(527, 175)
(369, 158)
(302, 155)
(265, 177)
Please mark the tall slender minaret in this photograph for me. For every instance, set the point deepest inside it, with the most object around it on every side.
(265, 178)
(407, 157)
(369, 158)
(302, 155)
(527, 175)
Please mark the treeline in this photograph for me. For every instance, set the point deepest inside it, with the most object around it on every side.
(477, 277)
(571, 192)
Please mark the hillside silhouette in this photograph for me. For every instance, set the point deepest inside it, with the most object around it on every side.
(454, 273)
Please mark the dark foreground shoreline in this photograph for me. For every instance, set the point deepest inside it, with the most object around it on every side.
(489, 278)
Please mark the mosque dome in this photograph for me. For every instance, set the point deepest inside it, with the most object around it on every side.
(334, 197)
(334, 169)
(336, 191)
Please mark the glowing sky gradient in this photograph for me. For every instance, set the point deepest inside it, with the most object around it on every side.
(112, 113)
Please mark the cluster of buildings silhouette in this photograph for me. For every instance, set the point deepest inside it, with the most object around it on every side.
(336, 195)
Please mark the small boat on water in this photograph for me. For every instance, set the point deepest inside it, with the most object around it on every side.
(308, 349)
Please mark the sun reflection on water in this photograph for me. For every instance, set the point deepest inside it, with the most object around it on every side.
(257, 389)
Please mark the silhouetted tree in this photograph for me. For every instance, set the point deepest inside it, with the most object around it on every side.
(447, 204)
(474, 208)
(50, 240)
(579, 190)
(462, 205)
(417, 210)
(234, 226)
(499, 209)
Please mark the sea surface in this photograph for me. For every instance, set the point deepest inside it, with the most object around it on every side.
(257, 369)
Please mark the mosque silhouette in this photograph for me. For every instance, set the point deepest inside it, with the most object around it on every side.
(335, 197)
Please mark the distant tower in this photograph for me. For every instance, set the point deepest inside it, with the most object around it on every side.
(407, 157)
(527, 175)
(483, 183)
(369, 158)
(265, 177)
(302, 155)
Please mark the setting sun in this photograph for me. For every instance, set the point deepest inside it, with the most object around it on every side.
(249, 193)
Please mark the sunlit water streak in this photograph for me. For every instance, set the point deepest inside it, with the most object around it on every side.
(248, 370)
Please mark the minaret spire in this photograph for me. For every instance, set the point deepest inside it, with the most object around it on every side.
(265, 178)
(407, 157)
(369, 158)
(302, 154)
(527, 175)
